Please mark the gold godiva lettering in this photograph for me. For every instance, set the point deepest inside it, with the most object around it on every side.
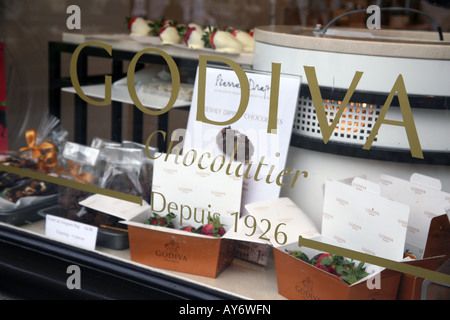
(74, 74)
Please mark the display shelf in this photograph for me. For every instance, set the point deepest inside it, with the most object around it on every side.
(120, 94)
(29, 255)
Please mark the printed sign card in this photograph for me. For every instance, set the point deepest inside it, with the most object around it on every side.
(426, 200)
(358, 218)
(245, 139)
(72, 232)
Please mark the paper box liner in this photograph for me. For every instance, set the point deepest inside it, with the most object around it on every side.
(298, 280)
(179, 250)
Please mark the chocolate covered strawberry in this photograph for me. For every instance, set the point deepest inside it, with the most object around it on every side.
(221, 41)
(247, 41)
(169, 35)
(138, 26)
(193, 38)
(160, 23)
(196, 26)
(130, 21)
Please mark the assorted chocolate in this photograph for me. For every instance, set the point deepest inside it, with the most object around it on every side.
(14, 187)
(28, 188)
(119, 168)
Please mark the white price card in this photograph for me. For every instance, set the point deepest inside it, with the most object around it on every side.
(72, 232)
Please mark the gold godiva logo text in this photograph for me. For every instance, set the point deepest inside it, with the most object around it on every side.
(244, 85)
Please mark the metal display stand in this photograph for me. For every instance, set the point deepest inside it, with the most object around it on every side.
(57, 82)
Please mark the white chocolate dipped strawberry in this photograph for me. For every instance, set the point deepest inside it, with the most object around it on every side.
(222, 41)
(248, 42)
(196, 26)
(139, 27)
(193, 38)
(169, 35)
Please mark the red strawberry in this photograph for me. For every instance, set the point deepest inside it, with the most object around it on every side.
(158, 220)
(321, 266)
(213, 228)
(332, 270)
(336, 265)
(221, 231)
(319, 257)
(207, 229)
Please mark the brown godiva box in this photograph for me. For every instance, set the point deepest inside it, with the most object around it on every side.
(298, 280)
(179, 250)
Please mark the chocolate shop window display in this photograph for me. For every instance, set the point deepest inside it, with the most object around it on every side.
(120, 162)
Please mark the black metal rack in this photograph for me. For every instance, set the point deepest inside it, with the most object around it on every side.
(57, 82)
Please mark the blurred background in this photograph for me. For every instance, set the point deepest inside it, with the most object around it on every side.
(27, 26)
